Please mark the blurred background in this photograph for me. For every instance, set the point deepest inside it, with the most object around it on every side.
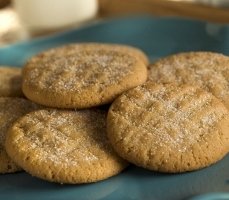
(27, 19)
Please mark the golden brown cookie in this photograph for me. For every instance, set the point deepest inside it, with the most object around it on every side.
(78, 76)
(64, 146)
(10, 82)
(10, 110)
(169, 128)
(209, 71)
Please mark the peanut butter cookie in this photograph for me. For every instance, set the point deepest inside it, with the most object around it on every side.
(169, 128)
(81, 75)
(64, 146)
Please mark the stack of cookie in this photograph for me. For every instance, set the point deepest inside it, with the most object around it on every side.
(68, 143)
(175, 122)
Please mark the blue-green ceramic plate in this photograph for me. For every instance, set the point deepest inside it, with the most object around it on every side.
(157, 37)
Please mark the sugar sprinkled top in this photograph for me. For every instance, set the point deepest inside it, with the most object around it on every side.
(170, 116)
(66, 137)
(74, 68)
(204, 69)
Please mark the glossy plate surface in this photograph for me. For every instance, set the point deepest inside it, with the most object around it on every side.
(157, 37)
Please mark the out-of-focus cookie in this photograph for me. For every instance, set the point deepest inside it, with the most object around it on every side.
(10, 110)
(64, 146)
(207, 70)
(10, 82)
(81, 75)
(169, 128)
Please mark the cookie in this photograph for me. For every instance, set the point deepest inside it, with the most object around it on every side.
(10, 110)
(169, 128)
(81, 76)
(10, 82)
(64, 146)
(209, 71)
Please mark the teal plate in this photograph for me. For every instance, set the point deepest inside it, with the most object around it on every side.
(157, 37)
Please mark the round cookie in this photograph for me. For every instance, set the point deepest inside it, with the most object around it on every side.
(81, 75)
(10, 110)
(64, 146)
(207, 70)
(169, 128)
(10, 82)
